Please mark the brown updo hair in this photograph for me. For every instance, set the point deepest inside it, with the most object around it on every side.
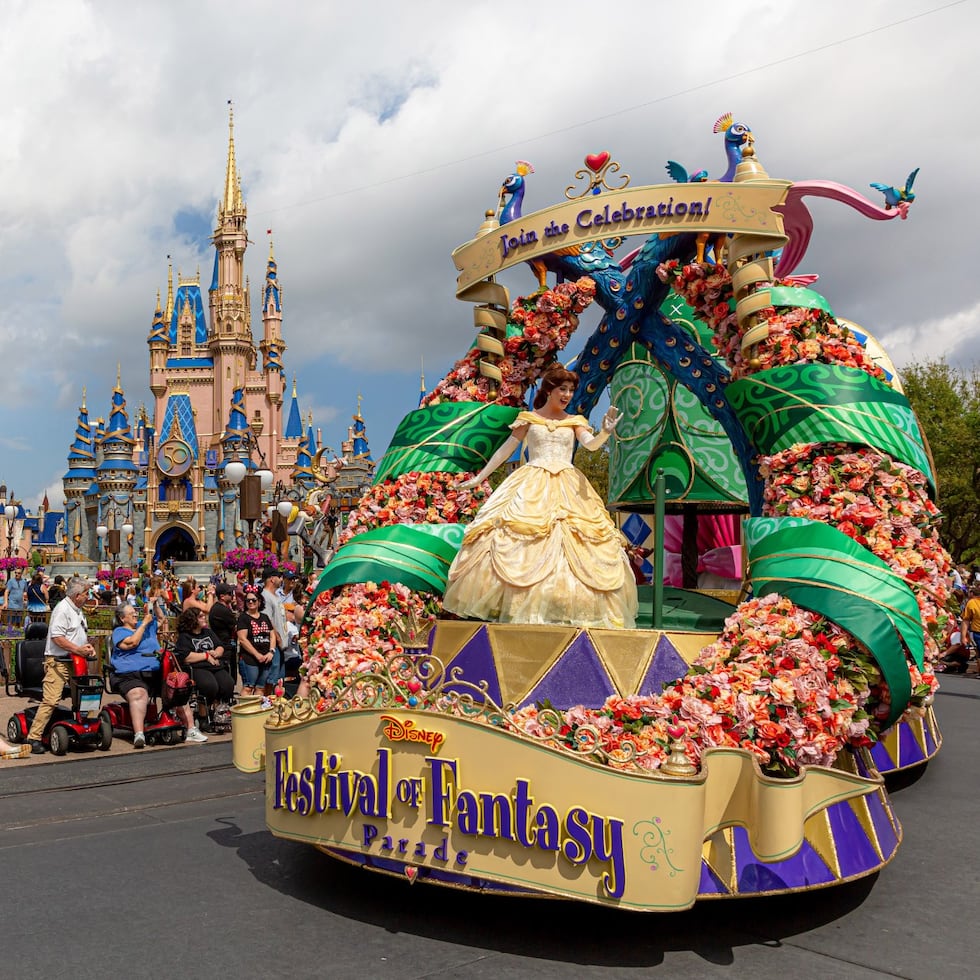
(553, 377)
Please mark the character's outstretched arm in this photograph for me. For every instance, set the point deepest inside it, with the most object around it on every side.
(609, 422)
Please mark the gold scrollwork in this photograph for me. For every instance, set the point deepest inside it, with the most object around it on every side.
(599, 167)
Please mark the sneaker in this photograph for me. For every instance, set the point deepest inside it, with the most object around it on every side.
(139, 741)
(37, 747)
(196, 735)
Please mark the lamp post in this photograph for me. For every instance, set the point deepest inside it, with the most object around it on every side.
(9, 513)
(110, 535)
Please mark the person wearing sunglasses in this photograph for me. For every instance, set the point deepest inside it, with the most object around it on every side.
(257, 640)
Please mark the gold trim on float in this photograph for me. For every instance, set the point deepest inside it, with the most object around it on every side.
(625, 655)
(863, 813)
(690, 645)
(523, 658)
(718, 853)
(820, 835)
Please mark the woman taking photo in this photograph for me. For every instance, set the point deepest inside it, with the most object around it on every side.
(256, 641)
(134, 665)
(200, 652)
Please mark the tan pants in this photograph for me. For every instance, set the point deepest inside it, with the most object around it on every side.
(56, 674)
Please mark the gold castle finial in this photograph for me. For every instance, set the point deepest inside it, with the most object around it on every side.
(272, 257)
(422, 373)
(359, 399)
(231, 174)
(84, 409)
(294, 386)
(118, 376)
(170, 289)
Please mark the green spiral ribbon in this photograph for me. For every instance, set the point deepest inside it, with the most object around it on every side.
(453, 437)
(417, 556)
(821, 569)
(807, 403)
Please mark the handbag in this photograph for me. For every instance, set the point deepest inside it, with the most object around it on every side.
(177, 687)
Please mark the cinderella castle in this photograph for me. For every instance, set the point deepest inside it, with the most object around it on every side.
(217, 397)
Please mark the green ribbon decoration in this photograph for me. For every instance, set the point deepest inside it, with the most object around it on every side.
(809, 299)
(453, 437)
(823, 570)
(813, 403)
(417, 556)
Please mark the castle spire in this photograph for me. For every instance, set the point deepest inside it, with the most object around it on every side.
(233, 193)
(294, 424)
(170, 290)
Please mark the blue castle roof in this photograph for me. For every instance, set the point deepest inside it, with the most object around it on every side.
(189, 293)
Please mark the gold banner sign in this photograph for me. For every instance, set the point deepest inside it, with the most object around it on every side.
(463, 797)
(710, 206)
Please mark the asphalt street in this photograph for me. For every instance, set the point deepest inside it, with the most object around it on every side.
(131, 863)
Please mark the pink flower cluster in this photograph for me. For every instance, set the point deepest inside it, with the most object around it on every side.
(539, 327)
(774, 683)
(241, 559)
(353, 633)
(414, 498)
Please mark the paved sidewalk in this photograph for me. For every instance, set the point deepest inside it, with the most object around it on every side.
(121, 744)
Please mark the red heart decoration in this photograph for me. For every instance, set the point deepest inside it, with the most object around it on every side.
(596, 161)
(414, 687)
(411, 874)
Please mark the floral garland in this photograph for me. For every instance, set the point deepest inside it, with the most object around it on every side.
(796, 335)
(414, 498)
(353, 633)
(773, 683)
(538, 327)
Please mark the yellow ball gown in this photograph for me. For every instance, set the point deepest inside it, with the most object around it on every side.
(543, 548)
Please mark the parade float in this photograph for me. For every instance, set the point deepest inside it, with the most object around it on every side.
(716, 749)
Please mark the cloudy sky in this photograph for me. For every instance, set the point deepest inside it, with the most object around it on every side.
(371, 140)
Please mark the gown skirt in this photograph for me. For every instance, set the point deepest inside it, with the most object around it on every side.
(543, 549)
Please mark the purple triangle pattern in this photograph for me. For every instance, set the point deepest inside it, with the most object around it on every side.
(805, 867)
(910, 752)
(710, 883)
(577, 677)
(666, 667)
(475, 660)
(887, 838)
(931, 747)
(882, 760)
(855, 853)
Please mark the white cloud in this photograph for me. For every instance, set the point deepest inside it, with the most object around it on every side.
(372, 139)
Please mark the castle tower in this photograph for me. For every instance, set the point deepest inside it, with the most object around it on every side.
(231, 344)
(117, 473)
(80, 476)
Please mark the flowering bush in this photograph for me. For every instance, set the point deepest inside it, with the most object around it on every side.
(13, 562)
(121, 575)
(243, 559)
(538, 327)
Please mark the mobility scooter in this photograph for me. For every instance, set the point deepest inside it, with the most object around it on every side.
(162, 723)
(81, 724)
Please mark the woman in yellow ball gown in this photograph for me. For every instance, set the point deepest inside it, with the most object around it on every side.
(543, 548)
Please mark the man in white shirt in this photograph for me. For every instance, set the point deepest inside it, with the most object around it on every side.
(67, 634)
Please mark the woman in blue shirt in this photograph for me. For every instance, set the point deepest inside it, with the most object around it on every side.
(135, 662)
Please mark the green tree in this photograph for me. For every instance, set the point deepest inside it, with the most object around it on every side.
(595, 466)
(947, 403)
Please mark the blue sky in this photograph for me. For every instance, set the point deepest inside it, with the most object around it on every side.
(372, 143)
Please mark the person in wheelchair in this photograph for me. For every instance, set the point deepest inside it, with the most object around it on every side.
(134, 664)
(200, 652)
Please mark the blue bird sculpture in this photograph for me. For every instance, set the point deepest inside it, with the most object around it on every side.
(895, 196)
(736, 135)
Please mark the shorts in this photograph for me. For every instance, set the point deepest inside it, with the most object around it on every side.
(253, 675)
(149, 680)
